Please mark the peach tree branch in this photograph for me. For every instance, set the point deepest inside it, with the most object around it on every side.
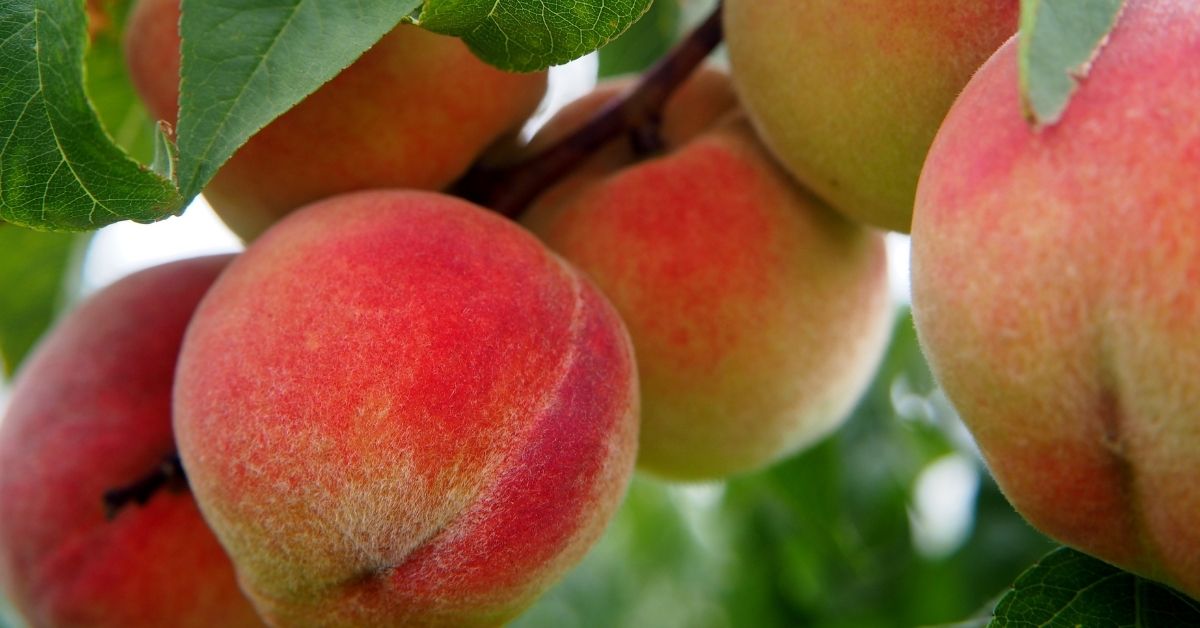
(509, 189)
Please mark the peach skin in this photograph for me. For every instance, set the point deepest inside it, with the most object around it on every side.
(758, 315)
(1056, 289)
(849, 93)
(91, 412)
(399, 409)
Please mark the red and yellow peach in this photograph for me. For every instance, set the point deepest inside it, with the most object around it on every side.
(1056, 275)
(758, 314)
(848, 94)
(90, 413)
(397, 408)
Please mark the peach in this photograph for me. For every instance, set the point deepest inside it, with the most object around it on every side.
(1055, 290)
(413, 112)
(758, 314)
(90, 413)
(399, 409)
(849, 93)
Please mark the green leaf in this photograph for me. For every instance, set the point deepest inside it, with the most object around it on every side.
(33, 270)
(245, 62)
(110, 88)
(645, 42)
(1068, 588)
(58, 168)
(1058, 41)
(528, 35)
(651, 568)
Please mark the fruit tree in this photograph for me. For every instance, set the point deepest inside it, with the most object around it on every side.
(794, 313)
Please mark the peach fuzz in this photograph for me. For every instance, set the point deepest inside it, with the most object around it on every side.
(90, 412)
(758, 314)
(399, 409)
(413, 112)
(1055, 275)
(849, 93)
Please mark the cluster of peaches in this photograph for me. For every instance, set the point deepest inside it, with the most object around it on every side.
(397, 408)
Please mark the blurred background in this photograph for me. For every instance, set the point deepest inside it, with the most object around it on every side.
(892, 521)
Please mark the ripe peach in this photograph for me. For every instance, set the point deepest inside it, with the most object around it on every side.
(1055, 289)
(758, 315)
(849, 93)
(413, 112)
(397, 408)
(90, 413)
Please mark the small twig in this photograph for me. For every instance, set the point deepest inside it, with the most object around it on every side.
(510, 189)
(168, 474)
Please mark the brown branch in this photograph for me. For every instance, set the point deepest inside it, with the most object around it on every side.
(508, 190)
(168, 474)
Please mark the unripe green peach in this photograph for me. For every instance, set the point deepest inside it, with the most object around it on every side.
(90, 413)
(848, 94)
(1056, 289)
(399, 409)
(757, 313)
(413, 112)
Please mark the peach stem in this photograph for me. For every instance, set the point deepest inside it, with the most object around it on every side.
(168, 474)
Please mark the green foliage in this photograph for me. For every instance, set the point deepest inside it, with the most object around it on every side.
(245, 63)
(58, 168)
(33, 266)
(653, 567)
(1059, 38)
(110, 89)
(645, 42)
(1067, 588)
(527, 35)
